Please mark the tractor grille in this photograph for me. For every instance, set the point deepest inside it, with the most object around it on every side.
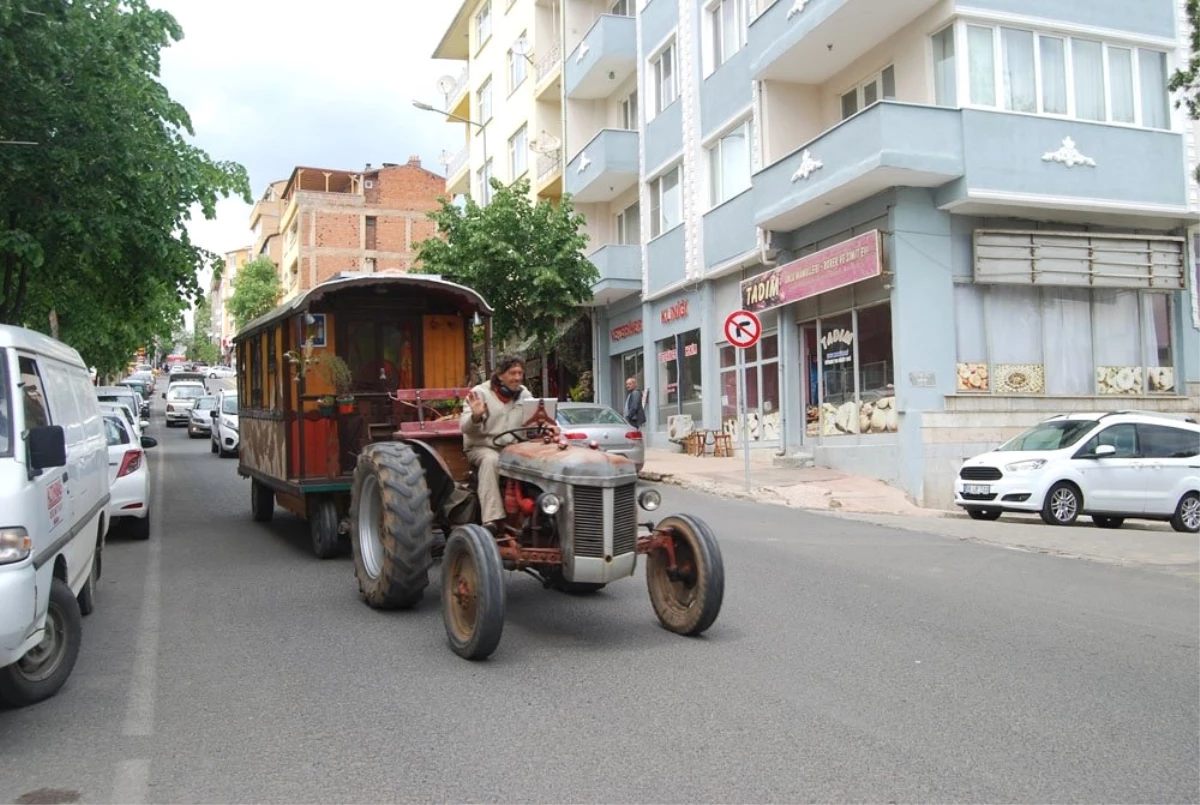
(980, 474)
(625, 520)
(589, 521)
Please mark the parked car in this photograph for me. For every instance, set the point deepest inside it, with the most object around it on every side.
(123, 410)
(54, 491)
(200, 417)
(180, 397)
(600, 423)
(224, 436)
(1112, 466)
(129, 475)
(222, 372)
(139, 384)
(127, 397)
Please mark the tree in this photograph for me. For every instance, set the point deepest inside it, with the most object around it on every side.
(1187, 79)
(200, 344)
(525, 259)
(256, 290)
(93, 217)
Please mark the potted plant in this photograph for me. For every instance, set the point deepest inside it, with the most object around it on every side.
(337, 373)
(325, 404)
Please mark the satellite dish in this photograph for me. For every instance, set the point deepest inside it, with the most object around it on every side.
(446, 84)
(546, 144)
(521, 47)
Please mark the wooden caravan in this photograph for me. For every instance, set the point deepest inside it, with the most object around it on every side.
(404, 342)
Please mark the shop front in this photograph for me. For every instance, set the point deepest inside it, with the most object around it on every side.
(620, 353)
(677, 387)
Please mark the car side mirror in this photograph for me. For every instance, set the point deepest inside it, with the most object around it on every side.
(164, 395)
(1104, 451)
(213, 413)
(148, 442)
(47, 447)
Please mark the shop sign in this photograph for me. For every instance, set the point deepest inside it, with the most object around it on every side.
(675, 312)
(626, 330)
(840, 265)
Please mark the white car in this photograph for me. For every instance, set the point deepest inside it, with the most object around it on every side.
(180, 397)
(222, 372)
(200, 419)
(1112, 466)
(126, 415)
(224, 436)
(128, 475)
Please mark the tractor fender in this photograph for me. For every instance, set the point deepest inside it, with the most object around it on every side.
(438, 477)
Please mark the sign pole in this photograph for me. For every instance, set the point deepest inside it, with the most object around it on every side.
(742, 414)
(742, 330)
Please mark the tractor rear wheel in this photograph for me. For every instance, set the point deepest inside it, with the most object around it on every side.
(391, 526)
(688, 601)
(472, 592)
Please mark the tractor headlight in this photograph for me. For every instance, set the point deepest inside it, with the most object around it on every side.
(549, 503)
(650, 500)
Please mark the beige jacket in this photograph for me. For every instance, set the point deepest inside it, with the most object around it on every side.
(501, 416)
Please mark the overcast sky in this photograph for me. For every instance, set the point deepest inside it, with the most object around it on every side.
(273, 84)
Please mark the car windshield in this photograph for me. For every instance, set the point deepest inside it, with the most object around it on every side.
(124, 399)
(229, 405)
(186, 392)
(205, 403)
(1050, 436)
(6, 440)
(592, 415)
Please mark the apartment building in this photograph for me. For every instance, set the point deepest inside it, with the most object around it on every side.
(954, 217)
(368, 220)
(219, 294)
(507, 97)
(264, 223)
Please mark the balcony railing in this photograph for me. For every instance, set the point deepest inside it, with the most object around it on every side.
(547, 63)
(458, 163)
(547, 164)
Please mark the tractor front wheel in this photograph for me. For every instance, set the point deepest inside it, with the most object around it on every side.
(472, 592)
(687, 599)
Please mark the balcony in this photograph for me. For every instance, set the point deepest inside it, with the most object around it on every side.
(1068, 170)
(605, 168)
(548, 183)
(291, 252)
(620, 268)
(789, 38)
(604, 59)
(886, 145)
(458, 100)
(547, 73)
(729, 230)
(458, 174)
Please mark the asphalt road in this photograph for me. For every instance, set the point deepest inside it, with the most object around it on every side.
(852, 662)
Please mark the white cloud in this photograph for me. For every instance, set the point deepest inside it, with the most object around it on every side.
(273, 84)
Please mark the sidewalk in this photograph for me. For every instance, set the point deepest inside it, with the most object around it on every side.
(804, 488)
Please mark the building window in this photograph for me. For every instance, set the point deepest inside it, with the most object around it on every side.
(761, 374)
(516, 68)
(483, 24)
(945, 79)
(369, 233)
(1025, 71)
(484, 176)
(851, 373)
(882, 85)
(518, 149)
(679, 367)
(729, 164)
(483, 98)
(622, 8)
(629, 112)
(628, 225)
(725, 24)
(666, 209)
(666, 80)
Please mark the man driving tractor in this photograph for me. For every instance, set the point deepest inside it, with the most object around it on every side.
(494, 407)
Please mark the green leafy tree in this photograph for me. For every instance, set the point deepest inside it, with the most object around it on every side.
(200, 344)
(525, 259)
(93, 238)
(1187, 79)
(256, 290)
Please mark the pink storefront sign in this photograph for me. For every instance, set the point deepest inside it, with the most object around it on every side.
(843, 264)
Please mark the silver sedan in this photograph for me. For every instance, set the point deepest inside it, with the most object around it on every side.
(200, 419)
(592, 421)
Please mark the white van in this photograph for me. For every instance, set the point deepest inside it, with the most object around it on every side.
(54, 491)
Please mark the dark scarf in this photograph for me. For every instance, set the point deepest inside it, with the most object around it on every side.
(503, 392)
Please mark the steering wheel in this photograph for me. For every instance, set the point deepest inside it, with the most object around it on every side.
(520, 434)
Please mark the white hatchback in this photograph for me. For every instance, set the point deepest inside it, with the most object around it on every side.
(1112, 466)
(129, 475)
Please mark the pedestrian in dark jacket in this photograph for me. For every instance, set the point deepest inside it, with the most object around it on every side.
(635, 413)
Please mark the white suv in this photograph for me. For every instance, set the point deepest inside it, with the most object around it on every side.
(1112, 466)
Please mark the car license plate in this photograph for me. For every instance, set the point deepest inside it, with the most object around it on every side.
(976, 489)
